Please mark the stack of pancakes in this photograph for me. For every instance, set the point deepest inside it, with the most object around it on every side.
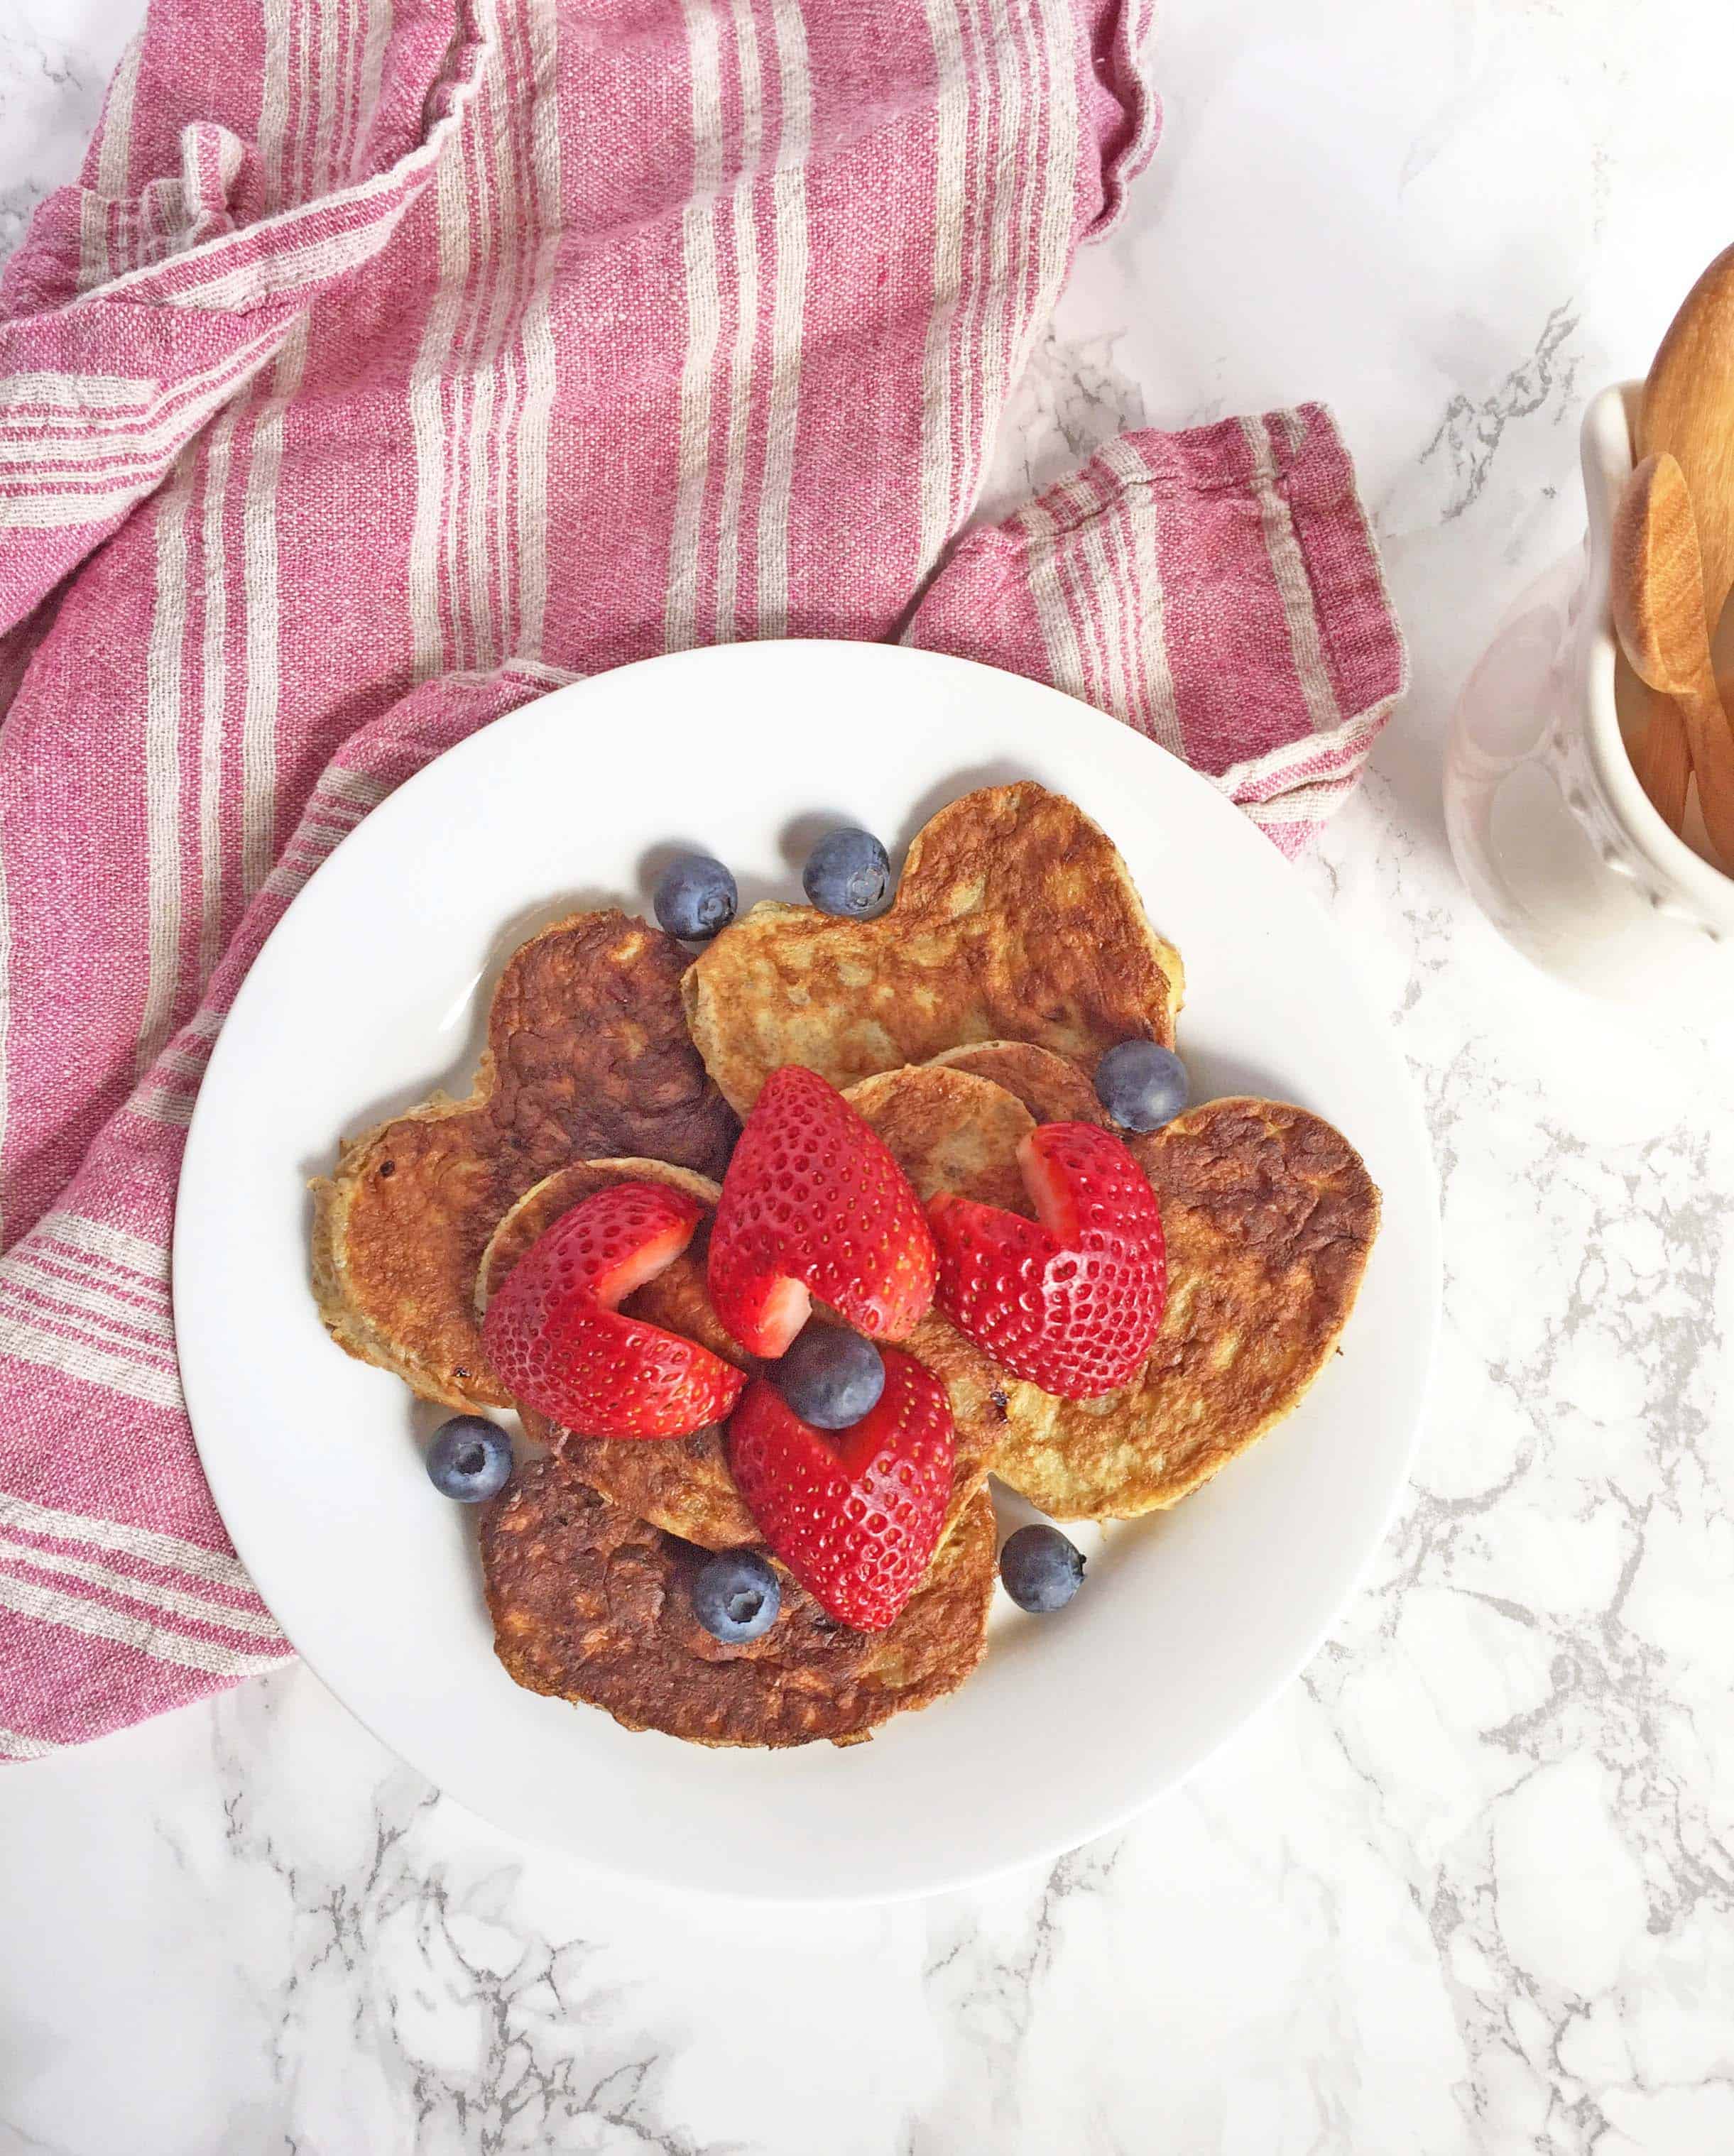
(1017, 951)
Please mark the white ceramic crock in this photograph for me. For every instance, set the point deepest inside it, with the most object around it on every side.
(1551, 831)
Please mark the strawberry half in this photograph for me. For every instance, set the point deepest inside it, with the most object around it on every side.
(855, 1517)
(558, 1343)
(813, 1204)
(1071, 1301)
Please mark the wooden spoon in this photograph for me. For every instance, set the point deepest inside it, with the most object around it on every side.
(1657, 586)
(1688, 410)
(1662, 758)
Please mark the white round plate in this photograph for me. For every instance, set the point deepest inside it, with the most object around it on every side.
(371, 992)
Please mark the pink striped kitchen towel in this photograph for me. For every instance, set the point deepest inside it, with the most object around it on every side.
(398, 358)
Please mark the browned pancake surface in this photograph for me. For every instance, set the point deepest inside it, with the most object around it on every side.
(1269, 1216)
(1052, 1088)
(1016, 919)
(590, 1603)
(588, 1056)
(947, 1130)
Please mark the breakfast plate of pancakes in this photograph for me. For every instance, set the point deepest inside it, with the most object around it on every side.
(467, 1024)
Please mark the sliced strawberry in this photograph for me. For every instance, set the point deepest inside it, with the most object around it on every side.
(814, 1204)
(1071, 1301)
(616, 1241)
(857, 1516)
(558, 1343)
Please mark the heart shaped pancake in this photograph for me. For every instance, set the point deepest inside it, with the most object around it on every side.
(682, 1484)
(1269, 1216)
(1052, 1088)
(587, 1055)
(590, 1603)
(1016, 919)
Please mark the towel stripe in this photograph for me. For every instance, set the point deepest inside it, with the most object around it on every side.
(1288, 567)
(111, 154)
(537, 356)
(89, 1360)
(162, 1642)
(1053, 609)
(170, 1601)
(147, 1545)
(745, 234)
(213, 687)
(789, 284)
(163, 664)
(483, 384)
(261, 611)
(14, 1745)
(952, 132)
(1160, 706)
(699, 250)
(263, 616)
(33, 1282)
(85, 427)
(429, 425)
(5, 1026)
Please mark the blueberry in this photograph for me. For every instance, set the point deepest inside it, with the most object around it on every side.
(468, 1458)
(848, 872)
(736, 1596)
(1042, 1569)
(1141, 1084)
(696, 897)
(831, 1377)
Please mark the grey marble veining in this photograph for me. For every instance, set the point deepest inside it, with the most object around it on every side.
(1466, 1889)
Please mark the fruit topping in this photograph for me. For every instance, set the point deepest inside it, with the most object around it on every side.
(855, 1519)
(848, 873)
(1142, 1085)
(695, 897)
(736, 1596)
(831, 1377)
(814, 1204)
(470, 1458)
(1041, 1568)
(558, 1342)
(1071, 1300)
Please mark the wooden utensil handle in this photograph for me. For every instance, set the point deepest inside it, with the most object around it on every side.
(1663, 758)
(1712, 743)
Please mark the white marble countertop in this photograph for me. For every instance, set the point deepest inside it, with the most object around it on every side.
(1469, 1885)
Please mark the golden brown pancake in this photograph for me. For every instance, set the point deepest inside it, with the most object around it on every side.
(1016, 920)
(1269, 1216)
(1052, 1087)
(590, 1603)
(588, 1056)
(947, 1130)
(683, 1484)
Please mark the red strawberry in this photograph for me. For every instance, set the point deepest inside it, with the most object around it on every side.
(856, 1517)
(1070, 1302)
(813, 1204)
(558, 1343)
